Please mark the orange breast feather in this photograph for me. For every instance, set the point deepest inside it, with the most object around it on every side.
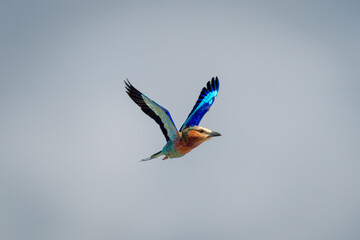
(182, 147)
(193, 140)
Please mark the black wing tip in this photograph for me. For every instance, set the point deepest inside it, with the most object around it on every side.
(130, 89)
(128, 86)
(213, 84)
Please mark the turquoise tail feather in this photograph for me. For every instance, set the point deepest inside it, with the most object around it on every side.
(158, 154)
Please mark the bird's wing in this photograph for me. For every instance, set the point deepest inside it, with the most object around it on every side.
(203, 104)
(153, 110)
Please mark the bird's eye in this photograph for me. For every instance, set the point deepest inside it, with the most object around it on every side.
(201, 131)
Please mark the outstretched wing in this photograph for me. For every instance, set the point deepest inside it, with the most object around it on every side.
(203, 104)
(153, 110)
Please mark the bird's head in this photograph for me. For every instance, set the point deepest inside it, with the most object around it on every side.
(198, 134)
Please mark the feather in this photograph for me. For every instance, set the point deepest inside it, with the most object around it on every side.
(153, 110)
(203, 104)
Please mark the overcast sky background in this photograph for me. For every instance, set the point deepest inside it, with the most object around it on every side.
(286, 167)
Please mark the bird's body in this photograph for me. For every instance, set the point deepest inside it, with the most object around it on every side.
(187, 141)
(190, 134)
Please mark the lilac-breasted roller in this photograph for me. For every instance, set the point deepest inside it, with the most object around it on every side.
(190, 134)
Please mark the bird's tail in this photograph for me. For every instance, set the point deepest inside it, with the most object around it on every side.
(152, 156)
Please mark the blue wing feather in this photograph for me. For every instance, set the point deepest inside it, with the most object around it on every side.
(203, 104)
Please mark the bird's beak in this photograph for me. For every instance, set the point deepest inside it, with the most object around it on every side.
(214, 134)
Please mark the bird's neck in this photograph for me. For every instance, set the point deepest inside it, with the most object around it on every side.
(189, 141)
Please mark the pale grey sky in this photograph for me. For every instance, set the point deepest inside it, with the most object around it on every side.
(286, 167)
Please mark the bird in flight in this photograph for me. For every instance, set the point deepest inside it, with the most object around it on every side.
(190, 134)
